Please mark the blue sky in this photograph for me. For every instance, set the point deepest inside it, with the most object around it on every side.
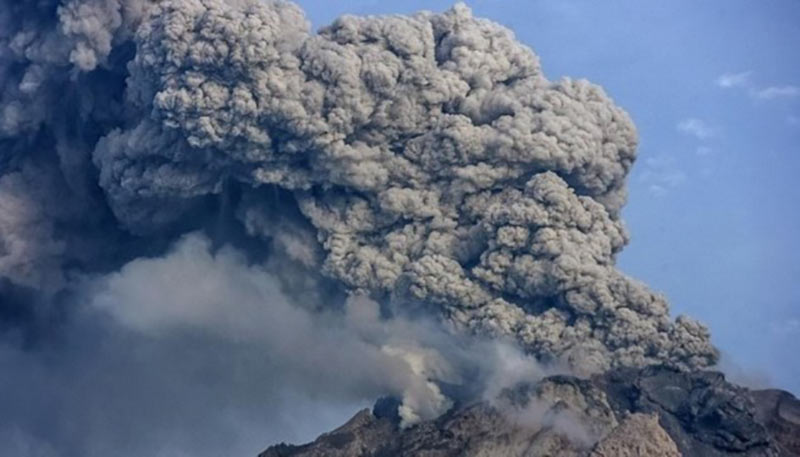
(714, 88)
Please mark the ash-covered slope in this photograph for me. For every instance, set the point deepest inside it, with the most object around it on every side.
(656, 411)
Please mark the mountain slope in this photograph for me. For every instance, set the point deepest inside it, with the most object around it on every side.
(655, 411)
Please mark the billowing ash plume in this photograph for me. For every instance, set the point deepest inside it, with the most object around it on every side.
(422, 160)
(344, 182)
(429, 153)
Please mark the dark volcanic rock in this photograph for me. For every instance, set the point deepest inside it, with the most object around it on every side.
(779, 411)
(703, 413)
(655, 411)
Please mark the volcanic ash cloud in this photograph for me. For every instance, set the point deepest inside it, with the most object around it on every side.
(430, 163)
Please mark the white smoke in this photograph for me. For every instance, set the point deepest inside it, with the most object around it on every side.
(357, 352)
(201, 352)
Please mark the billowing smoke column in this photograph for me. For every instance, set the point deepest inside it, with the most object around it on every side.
(423, 160)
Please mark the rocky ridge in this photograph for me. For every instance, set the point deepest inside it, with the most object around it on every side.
(653, 411)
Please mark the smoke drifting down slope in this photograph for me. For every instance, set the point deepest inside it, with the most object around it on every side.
(423, 161)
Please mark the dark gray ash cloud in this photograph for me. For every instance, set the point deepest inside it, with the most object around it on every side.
(420, 163)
